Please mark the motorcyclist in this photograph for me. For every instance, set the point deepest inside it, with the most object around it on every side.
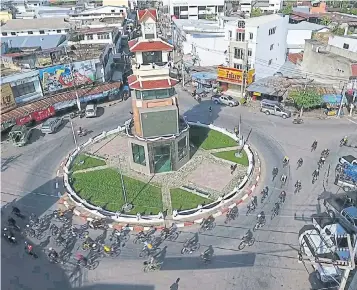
(275, 171)
(192, 242)
(151, 231)
(173, 228)
(89, 241)
(300, 161)
(286, 160)
(282, 196)
(261, 217)
(232, 212)
(80, 131)
(254, 201)
(52, 254)
(248, 235)
(314, 144)
(283, 179)
(207, 254)
(298, 184)
(208, 221)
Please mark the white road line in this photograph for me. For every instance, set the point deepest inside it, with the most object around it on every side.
(56, 185)
(58, 172)
(352, 121)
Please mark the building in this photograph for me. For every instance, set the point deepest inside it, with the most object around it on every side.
(101, 35)
(41, 26)
(329, 64)
(266, 6)
(122, 3)
(345, 42)
(258, 43)
(204, 40)
(297, 33)
(34, 42)
(196, 9)
(147, 19)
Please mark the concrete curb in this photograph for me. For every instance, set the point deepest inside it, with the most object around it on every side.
(136, 228)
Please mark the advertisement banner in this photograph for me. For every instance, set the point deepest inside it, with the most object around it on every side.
(233, 75)
(7, 98)
(44, 114)
(23, 120)
(251, 76)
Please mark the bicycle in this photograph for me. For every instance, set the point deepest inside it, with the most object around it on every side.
(207, 226)
(113, 251)
(122, 235)
(145, 252)
(231, 214)
(89, 263)
(141, 237)
(245, 243)
(258, 225)
(275, 211)
(187, 248)
(148, 267)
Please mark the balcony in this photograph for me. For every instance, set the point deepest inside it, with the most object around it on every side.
(151, 70)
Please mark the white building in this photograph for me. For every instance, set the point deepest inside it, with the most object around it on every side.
(102, 35)
(345, 42)
(195, 9)
(42, 26)
(297, 33)
(269, 6)
(203, 39)
(258, 42)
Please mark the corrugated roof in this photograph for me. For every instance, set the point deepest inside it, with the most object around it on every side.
(304, 25)
(47, 102)
(135, 84)
(295, 57)
(35, 24)
(151, 45)
(43, 41)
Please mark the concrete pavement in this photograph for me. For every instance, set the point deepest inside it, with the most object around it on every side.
(270, 263)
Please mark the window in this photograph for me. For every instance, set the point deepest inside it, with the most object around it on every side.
(42, 32)
(272, 30)
(230, 34)
(138, 95)
(152, 57)
(183, 8)
(89, 36)
(270, 61)
(103, 36)
(138, 154)
(251, 35)
(13, 33)
(4, 34)
(23, 89)
(238, 53)
(240, 36)
(346, 46)
(112, 11)
(237, 66)
(59, 31)
(30, 32)
(149, 36)
(271, 47)
(220, 8)
(157, 94)
(249, 52)
(241, 24)
(66, 30)
(182, 148)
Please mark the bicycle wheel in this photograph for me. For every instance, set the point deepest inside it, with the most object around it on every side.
(251, 242)
(146, 269)
(173, 236)
(93, 265)
(242, 245)
(184, 251)
(126, 238)
(143, 254)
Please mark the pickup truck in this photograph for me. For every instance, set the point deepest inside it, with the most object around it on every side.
(225, 100)
(349, 159)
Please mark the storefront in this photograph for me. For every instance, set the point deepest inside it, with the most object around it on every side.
(231, 80)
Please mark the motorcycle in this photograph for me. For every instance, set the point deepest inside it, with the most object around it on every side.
(245, 242)
(298, 121)
(205, 258)
(149, 267)
(169, 235)
(98, 224)
(207, 226)
(145, 252)
(9, 237)
(187, 248)
(112, 251)
(141, 237)
(82, 133)
(122, 235)
(231, 214)
(264, 195)
(80, 113)
(90, 263)
(259, 225)
(343, 142)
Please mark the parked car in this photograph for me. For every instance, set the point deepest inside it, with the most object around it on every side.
(51, 125)
(20, 135)
(274, 108)
(348, 159)
(91, 110)
(225, 100)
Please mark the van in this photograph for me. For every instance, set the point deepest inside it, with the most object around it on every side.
(274, 108)
(91, 111)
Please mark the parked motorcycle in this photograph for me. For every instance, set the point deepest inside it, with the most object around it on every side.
(80, 113)
(298, 121)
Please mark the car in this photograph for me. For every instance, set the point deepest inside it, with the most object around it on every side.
(274, 108)
(20, 135)
(51, 125)
(91, 111)
(225, 100)
(348, 159)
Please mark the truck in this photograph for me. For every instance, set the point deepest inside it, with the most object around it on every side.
(224, 100)
(20, 135)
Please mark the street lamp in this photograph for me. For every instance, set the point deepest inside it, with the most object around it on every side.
(127, 207)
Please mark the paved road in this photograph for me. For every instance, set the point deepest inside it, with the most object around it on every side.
(29, 174)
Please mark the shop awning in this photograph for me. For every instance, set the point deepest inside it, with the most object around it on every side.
(59, 98)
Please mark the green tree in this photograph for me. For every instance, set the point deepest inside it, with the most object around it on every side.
(306, 99)
(287, 10)
(256, 12)
(325, 20)
(338, 30)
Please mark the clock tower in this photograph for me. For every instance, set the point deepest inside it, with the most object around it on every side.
(147, 19)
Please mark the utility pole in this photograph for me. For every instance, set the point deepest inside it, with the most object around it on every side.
(353, 98)
(245, 69)
(74, 134)
(343, 92)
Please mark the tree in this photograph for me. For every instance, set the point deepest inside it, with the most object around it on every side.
(256, 12)
(287, 10)
(306, 99)
(325, 20)
(338, 30)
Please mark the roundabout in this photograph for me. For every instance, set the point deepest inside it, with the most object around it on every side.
(270, 263)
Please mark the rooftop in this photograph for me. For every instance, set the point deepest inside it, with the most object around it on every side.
(32, 41)
(35, 24)
(147, 13)
(88, 30)
(295, 58)
(149, 45)
(200, 25)
(261, 20)
(304, 25)
(137, 84)
(5, 71)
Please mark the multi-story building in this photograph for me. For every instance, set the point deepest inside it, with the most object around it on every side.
(41, 26)
(266, 6)
(345, 42)
(160, 140)
(101, 35)
(258, 43)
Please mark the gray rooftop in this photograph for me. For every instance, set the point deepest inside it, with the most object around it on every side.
(35, 24)
(198, 25)
(261, 20)
(304, 25)
(43, 41)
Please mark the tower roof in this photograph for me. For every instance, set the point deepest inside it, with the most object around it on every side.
(138, 84)
(149, 45)
(147, 13)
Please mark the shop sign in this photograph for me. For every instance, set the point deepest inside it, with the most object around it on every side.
(23, 120)
(44, 114)
(227, 74)
(7, 98)
(257, 94)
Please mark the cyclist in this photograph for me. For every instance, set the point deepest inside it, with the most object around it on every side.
(173, 228)
(261, 217)
(298, 184)
(254, 201)
(275, 171)
(283, 179)
(248, 235)
(192, 242)
(89, 241)
(165, 232)
(151, 231)
(316, 173)
(29, 248)
(282, 196)
(276, 208)
(314, 145)
(81, 259)
(300, 162)
(148, 246)
(286, 160)
(52, 254)
(207, 222)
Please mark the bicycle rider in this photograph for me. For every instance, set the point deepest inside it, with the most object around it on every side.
(282, 196)
(300, 161)
(276, 208)
(283, 179)
(261, 217)
(316, 173)
(208, 253)
(248, 235)
(298, 184)
(173, 228)
(314, 144)
(286, 160)
(53, 254)
(275, 171)
(81, 259)
(192, 242)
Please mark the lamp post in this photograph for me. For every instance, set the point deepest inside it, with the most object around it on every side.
(127, 207)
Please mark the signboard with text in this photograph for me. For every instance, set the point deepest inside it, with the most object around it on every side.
(44, 114)
(7, 98)
(233, 75)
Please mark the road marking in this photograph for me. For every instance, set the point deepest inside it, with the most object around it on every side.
(352, 121)
(56, 185)
(58, 172)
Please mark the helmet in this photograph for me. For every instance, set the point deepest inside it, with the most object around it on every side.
(5, 229)
(50, 249)
(149, 246)
(107, 248)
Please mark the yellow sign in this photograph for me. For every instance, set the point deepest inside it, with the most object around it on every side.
(233, 75)
(7, 98)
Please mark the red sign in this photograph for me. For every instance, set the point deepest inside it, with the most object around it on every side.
(23, 120)
(44, 114)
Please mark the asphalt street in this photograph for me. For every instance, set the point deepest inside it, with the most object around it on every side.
(29, 176)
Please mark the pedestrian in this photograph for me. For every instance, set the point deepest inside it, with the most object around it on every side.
(175, 285)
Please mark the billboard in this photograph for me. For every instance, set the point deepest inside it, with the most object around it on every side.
(7, 98)
(64, 76)
(233, 75)
(156, 123)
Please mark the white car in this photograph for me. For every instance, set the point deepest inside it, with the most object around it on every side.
(91, 111)
(348, 159)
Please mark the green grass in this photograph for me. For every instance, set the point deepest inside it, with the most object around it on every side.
(229, 155)
(182, 199)
(209, 139)
(89, 162)
(104, 188)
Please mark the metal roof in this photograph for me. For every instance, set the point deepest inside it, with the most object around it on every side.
(43, 41)
(304, 25)
(35, 24)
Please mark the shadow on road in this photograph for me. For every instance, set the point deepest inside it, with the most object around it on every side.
(7, 161)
